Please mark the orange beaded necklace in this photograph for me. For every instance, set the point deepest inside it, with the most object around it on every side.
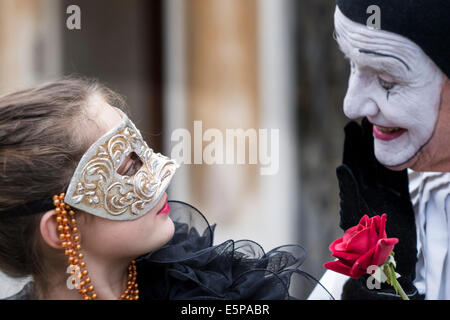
(68, 232)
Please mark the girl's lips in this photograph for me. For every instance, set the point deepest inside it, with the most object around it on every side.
(165, 209)
(386, 134)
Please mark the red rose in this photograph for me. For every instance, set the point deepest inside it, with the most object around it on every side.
(361, 246)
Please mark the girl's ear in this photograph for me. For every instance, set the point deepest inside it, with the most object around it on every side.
(48, 230)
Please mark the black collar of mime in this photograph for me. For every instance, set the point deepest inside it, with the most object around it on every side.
(425, 22)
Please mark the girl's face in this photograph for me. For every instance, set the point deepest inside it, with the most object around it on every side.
(395, 85)
(126, 239)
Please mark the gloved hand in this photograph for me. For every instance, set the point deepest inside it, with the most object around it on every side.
(367, 187)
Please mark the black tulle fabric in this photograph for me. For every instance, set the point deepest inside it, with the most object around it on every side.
(189, 266)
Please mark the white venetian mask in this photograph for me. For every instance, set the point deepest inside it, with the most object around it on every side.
(394, 84)
(97, 188)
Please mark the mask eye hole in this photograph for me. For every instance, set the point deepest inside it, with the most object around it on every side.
(130, 166)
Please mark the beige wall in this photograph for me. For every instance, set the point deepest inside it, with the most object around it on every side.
(222, 88)
(221, 79)
(29, 42)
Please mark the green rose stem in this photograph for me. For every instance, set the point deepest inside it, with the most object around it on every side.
(389, 271)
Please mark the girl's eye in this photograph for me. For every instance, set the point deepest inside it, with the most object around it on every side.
(132, 165)
(386, 85)
(132, 170)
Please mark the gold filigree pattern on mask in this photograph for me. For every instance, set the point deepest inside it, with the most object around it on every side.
(97, 188)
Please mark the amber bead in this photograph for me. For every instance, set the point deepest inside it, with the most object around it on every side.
(72, 249)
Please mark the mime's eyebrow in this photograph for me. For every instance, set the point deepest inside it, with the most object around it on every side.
(385, 55)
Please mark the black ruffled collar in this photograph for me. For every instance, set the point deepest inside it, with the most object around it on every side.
(189, 266)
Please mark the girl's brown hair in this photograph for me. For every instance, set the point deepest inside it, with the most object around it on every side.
(43, 134)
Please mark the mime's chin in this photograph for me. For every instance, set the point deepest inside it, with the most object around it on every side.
(399, 165)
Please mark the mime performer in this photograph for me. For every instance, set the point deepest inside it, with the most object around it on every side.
(399, 84)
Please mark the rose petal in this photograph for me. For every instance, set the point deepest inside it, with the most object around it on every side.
(382, 228)
(360, 266)
(376, 223)
(341, 246)
(383, 249)
(350, 232)
(373, 234)
(364, 220)
(338, 267)
(360, 243)
(348, 257)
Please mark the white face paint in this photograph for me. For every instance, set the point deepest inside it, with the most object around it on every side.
(394, 84)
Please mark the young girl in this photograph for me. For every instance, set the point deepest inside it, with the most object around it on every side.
(83, 210)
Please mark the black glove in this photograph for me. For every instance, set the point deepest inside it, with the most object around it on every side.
(367, 187)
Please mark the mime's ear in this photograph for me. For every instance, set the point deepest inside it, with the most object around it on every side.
(48, 230)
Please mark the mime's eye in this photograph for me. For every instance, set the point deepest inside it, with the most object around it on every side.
(386, 85)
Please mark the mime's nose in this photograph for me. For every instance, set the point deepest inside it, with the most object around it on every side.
(358, 101)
